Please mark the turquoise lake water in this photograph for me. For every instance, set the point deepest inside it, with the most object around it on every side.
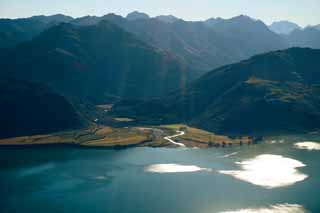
(274, 174)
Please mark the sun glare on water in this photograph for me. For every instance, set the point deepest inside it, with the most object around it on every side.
(268, 171)
(173, 168)
(308, 145)
(279, 208)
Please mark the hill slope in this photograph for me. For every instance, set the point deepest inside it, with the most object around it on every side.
(30, 108)
(95, 62)
(16, 31)
(277, 91)
(13, 32)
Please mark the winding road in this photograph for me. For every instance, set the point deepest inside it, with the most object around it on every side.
(169, 138)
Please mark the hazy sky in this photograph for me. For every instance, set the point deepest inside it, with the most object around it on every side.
(303, 12)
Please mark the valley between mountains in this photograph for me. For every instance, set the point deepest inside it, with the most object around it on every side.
(119, 82)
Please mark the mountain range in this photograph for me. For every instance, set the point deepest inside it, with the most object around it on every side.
(230, 76)
(196, 44)
(95, 62)
(200, 45)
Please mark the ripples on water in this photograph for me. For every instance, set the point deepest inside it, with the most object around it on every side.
(279, 208)
(308, 145)
(268, 171)
(37, 169)
(174, 168)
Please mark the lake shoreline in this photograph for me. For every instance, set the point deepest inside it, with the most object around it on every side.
(129, 137)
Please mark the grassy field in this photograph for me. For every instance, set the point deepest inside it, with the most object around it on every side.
(119, 137)
(95, 136)
(201, 138)
(104, 136)
(123, 119)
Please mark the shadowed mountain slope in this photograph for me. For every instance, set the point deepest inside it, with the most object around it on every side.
(277, 91)
(94, 62)
(307, 37)
(16, 31)
(32, 108)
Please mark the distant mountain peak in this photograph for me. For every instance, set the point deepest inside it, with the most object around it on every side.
(111, 15)
(317, 27)
(213, 21)
(240, 19)
(53, 18)
(167, 18)
(283, 27)
(243, 17)
(137, 16)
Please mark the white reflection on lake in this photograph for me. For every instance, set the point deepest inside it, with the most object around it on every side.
(308, 145)
(173, 168)
(268, 171)
(279, 208)
(101, 177)
(275, 141)
(229, 155)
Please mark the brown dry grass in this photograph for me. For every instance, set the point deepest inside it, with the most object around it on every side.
(104, 130)
(117, 141)
(258, 81)
(109, 137)
(123, 119)
(95, 136)
(201, 138)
